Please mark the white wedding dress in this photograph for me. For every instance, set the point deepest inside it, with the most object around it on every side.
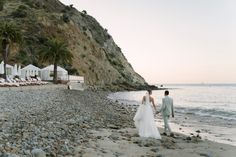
(144, 120)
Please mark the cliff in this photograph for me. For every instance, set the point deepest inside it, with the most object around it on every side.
(96, 55)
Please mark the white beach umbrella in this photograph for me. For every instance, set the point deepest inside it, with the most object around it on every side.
(15, 70)
(19, 70)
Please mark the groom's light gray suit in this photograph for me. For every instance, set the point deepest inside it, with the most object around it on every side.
(167, 109)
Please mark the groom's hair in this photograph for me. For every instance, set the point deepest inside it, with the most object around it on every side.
(166, 92)
(149, 91)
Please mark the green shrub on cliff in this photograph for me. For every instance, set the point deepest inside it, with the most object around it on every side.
(66, 18)
(20, 12)
(28, 2)
(2, 2)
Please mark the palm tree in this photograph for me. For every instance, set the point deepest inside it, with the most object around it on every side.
(56, 52)
(9, 34)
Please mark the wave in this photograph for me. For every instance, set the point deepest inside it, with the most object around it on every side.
(210, 102)
(227, 115)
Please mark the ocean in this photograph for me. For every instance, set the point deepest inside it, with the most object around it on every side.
(210, 108)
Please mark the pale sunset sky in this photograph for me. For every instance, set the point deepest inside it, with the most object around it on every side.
(172, 41)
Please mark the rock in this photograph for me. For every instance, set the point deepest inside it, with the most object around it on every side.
(78, 150)
(38, 153)
(198, 136)
(198, 131)
(114, 136)
(205, 155)
(103, 151)
(154, 149)
(188, 138)
(113, 127)
(9, 155)
(136, 135)
(169, 144)
(147, 142)
(27, 152)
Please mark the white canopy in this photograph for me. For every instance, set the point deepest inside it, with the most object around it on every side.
(30, 67)
(47, 73)
(15, 71)
(30, 70)
(19, 70)
(1, 68)
(51, 68)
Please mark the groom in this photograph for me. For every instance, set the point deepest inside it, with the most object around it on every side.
(167, 109)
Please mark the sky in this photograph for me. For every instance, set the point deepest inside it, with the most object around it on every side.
(172, 41)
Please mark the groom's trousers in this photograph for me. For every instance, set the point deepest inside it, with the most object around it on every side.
(166, 123)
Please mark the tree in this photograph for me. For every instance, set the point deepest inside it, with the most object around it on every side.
(9, 34)
(55, 52)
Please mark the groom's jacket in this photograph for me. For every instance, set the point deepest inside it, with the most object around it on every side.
(167, 106)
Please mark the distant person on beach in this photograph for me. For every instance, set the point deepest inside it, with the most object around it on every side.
(144, 118)
(166, 110)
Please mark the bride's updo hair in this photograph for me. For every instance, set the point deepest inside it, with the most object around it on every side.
(149, 91)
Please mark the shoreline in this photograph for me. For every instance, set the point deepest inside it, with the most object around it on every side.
(215, 127)
(63, 122)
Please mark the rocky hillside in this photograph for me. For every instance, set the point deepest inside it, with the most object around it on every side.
(96, 55)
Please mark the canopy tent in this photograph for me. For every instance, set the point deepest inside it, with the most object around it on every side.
(15, 71)
(19, 70)
(30, 70)
(47, 73)
(1, 68)
(9, 70)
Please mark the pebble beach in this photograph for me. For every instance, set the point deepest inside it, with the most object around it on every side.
(53, 121)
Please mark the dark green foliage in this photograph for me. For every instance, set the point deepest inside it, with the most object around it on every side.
(67, 9)
(116, 63)
(2, 2)
(20, 12)
(56, 52)
(83, 55)
(11, 30)
(22, 7)
(111, 55)
(84, 12)
(72, 71)
(66, 18)
(84, 28)
(118, 49)
(27, 56)
(9, 34)
(28, 2)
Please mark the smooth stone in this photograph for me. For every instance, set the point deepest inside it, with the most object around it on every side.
(38, 153)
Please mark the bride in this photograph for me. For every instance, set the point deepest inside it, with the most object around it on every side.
(144, 118)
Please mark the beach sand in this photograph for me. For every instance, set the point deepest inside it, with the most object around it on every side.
(63, 122)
